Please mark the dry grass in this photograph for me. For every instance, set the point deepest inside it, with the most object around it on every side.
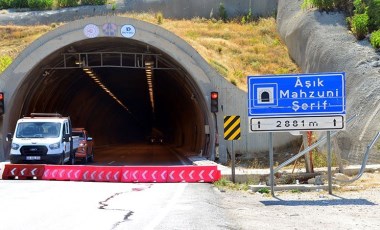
(13, 39)
(235, 50)
(366, 181)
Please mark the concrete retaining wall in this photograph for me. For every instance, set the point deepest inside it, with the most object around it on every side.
(169, 8)
(321, 42)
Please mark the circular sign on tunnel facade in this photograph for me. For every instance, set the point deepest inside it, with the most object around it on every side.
(91, 30)
(109, 29)
(128, 31)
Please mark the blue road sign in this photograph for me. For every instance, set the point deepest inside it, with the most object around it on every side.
(297, 95)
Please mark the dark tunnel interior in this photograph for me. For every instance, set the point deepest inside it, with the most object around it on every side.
(174, 109)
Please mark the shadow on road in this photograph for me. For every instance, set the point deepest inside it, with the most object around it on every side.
(318, 202)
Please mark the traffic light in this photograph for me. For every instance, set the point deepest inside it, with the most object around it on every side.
(1, 103)
(214, 102)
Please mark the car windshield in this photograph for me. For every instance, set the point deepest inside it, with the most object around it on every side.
(38, 129)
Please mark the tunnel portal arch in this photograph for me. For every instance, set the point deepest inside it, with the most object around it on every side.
(50, 76)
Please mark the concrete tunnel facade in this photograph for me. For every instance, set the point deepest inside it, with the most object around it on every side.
(49, 76)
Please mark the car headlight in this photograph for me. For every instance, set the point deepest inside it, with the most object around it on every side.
(15, 146)
(55, 145)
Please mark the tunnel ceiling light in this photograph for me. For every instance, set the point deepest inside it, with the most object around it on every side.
(93, 76)
(149, 78)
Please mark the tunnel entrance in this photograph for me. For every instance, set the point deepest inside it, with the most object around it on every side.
(121, 91)
(122, 87)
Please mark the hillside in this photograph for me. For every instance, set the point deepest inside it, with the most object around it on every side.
(234, 49)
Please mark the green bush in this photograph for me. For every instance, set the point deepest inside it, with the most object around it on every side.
(40, 4)
(327, 5)
(159, 18)
(330, 5)
(5, 4)
(223, 12)
(359, 7)
(359, 25)
(67, 3)
(344, 5)
(93, 2)
(374, 15)
(375, 39)
(5, 61)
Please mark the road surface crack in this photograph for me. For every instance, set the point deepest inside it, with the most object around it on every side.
(104, 206)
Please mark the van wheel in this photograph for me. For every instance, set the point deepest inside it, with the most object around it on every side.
(62, 161)
(72, 159)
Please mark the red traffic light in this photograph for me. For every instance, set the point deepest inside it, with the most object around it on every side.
(214, 95)
(214, 102)
(1, 103)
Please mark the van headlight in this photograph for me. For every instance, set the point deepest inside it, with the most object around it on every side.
(15, 146)
(55, 146)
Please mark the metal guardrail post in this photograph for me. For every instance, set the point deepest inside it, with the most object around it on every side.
(364, 162)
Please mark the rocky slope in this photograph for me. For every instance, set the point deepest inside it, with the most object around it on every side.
(320, 42)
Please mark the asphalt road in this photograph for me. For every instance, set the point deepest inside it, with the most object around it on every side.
(105, 206)
(138, 154)
(62, 205)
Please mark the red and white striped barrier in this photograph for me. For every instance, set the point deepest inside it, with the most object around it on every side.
(23, 171)
(63, 172)
(125, 174)
(101, 173)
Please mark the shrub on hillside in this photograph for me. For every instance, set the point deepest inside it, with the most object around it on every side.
(40, 4)
(359, 25)
(5, 61)
(93, 2)
(359, 6)
(322, 5)
(345, 6)
(374, 15)
(223, 12)
(329, 5)
(5, 4)
(375, 39)
(67, 3)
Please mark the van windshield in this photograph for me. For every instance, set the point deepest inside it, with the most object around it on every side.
(38, 129)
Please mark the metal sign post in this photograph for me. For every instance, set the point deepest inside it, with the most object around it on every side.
(329, 161)
(232, 132)
(232, 162)
(271, 163)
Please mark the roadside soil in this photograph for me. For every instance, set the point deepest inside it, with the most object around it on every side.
(352, 206)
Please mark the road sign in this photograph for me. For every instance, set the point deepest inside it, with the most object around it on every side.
(297, 95)
(232, 128)
(272, 124)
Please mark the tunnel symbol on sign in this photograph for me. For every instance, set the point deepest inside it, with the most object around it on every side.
(265, 95)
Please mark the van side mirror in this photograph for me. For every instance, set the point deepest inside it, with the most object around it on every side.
(9, 137)
(66, 137)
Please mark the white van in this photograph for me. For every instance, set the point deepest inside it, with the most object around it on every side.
(43, 138)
